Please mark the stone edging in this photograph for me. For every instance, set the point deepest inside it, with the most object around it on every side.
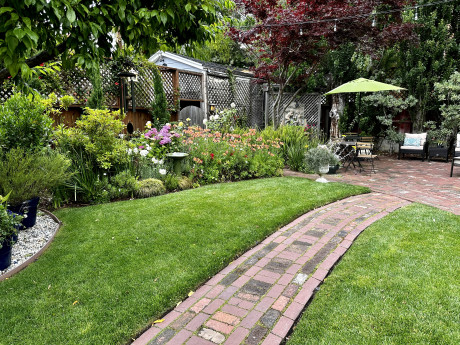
(37, 254)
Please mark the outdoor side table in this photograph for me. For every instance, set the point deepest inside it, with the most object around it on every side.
(438, 152)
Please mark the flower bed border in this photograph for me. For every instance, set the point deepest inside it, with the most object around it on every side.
(34, 257)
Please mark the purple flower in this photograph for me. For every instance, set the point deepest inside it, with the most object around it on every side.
(165, 140)
(141, 147)
(177, 135)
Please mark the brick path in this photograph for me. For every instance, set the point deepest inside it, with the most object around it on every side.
(411, 179)
(258, 297)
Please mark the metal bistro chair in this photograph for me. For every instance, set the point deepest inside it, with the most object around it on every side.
(364, 152)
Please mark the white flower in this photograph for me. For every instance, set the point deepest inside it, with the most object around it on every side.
(188, 119)
(232, 105)
(216, 117)
(168, 124)
(205, 121)
(154, 160)
(136, 151)
(162, 171)
(161, 161)
(130, 152)
(211, 118)
(144, 153)
(121, 136)
(148, 124)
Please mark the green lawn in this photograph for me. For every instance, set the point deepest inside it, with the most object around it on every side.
(398, 284)
(114, 268)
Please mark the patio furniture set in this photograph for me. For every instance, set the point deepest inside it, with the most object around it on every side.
(354, 150)
(418, 145)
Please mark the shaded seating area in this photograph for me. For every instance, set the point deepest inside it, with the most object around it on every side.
(414, 144)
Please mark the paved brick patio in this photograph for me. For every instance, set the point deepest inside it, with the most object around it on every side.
(411, 179)
(259, 296)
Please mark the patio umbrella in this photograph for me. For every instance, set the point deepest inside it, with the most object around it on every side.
(363, 85)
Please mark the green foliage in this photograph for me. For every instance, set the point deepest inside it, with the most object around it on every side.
(96, 99)
(296, 156)
(295, 141)
(223, 50)
(30, 174)
(83, 32)
(8, 221)
(24, 122)
(449, 93)
(159, 111)
(320, 156)
(171, 182)
(388, 106)
(185, 183)
(125, 185)
(150, 187)
(435, 135)
(432, 60)
(96, 133)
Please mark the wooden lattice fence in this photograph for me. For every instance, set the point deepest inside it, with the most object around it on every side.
(246, 95)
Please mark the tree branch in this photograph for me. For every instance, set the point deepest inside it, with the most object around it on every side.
(36, 60)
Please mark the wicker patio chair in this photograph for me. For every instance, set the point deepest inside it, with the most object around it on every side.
(414, 144)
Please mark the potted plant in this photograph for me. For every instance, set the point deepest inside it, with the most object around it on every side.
(319, 159)
(8, 229)
(30, 175)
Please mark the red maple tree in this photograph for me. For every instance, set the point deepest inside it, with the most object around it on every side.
(291, 37)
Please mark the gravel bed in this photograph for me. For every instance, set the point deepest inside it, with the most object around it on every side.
(31, 240)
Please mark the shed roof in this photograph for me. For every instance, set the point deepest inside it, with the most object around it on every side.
(210, 67)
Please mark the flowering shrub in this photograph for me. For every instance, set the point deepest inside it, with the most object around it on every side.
(154, 144)
(220, 157)
(226, 120)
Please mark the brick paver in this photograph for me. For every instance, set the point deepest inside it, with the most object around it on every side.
(258, 297)
(410, 179)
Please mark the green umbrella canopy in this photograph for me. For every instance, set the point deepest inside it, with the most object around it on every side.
(364, 85)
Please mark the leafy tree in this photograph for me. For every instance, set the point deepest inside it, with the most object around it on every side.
(291, 38)
(389, 104)
(433, 60)
(449, 93)
(83, 31)
(160, 113)
(224, 50)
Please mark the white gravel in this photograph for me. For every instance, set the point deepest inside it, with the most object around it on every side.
(31, 240)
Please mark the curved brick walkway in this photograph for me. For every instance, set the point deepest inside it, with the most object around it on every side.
(258, 297)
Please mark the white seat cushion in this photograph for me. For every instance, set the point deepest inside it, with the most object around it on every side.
(412, 148)
(421, 136)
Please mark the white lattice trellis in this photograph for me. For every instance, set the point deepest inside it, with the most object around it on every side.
(304, 109)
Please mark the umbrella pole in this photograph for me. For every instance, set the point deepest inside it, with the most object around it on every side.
(359, 108)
